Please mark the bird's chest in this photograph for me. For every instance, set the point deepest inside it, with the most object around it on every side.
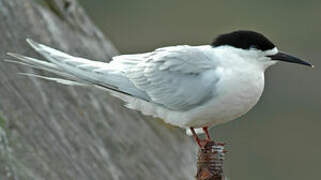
(241, 90)
(237, 92)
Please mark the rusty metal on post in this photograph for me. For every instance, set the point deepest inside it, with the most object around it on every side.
(210, 161)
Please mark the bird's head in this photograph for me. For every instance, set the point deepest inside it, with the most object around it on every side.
(254, 47)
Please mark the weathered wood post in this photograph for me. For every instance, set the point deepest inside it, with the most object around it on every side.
(210, 161)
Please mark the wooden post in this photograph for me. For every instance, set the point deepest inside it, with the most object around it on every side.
(210, 161)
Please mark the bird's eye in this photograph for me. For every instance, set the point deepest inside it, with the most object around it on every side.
(253, 46)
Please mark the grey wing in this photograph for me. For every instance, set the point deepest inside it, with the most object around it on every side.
(178, 78)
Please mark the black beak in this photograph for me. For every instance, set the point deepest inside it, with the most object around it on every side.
(280, 56)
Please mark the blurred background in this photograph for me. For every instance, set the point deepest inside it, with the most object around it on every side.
(280, 137)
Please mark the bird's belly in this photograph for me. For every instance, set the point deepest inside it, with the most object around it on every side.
(235, 97)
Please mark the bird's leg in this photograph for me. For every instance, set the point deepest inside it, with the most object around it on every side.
(205, 129)
(197, 139)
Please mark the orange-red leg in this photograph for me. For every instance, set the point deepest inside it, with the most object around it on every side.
(197, 139)
(205, 129)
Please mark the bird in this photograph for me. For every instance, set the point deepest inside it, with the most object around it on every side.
(191, 87)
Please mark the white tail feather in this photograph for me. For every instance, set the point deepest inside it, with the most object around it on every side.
(78, 70)
(24, 63)
(58, 80)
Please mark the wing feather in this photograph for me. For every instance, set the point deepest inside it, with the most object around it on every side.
(176, 77)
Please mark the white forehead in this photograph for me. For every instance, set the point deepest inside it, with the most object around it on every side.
(271, 51)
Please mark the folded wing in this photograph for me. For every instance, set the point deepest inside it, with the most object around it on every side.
(177, 78)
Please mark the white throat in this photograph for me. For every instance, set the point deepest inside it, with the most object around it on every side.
(239, 57)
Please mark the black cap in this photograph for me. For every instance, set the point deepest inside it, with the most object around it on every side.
(245, 40)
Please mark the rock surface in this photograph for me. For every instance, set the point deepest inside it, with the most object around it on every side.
(50, 131)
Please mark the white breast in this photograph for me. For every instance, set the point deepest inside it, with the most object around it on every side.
(238, 91)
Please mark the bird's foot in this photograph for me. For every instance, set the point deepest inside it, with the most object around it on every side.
(204, 142)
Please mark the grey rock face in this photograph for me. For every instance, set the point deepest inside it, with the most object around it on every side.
(50, 131)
